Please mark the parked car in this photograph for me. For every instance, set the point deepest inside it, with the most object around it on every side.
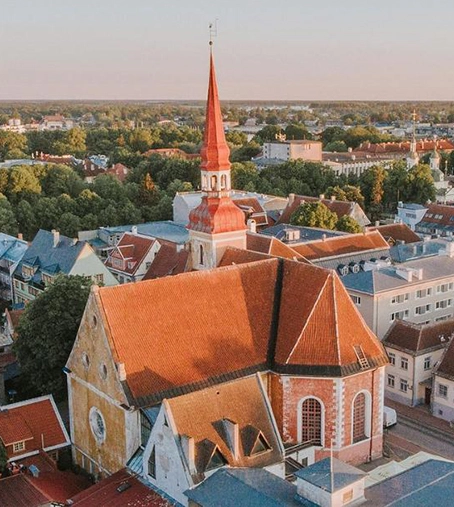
(389, 417)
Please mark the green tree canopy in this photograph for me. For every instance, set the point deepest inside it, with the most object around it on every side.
(46, 333)
(314, 214)
(348, 224)
(3, 456)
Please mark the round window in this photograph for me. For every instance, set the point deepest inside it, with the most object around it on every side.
(97, 425)
(85, 360)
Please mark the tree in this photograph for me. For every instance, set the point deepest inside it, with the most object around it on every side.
(297, 131)
(148, 193)
(26, 219)
(22, 182)
(46, 333)
(8, 223)
(421, 186)
(314, 214)
(3, 456)
(243, 174)
(348, 224)
(69, 224)
(336, 146)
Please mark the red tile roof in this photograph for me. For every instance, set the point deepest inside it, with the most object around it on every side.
(396, 232)
(13, 316)
(239, 256)
(252, 208)
(419, 337)
(341, 208)
(132, 249)
(214, 325)
(404, 147)
(105, 493)
(34, 420)
(340, 245)
(119, 171)
(199, 415)
(17, 491)
(271, 246)
(168, 261)
(321, 326)
(439, 214)
(216, 215)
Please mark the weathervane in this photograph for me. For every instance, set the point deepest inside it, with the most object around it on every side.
(213, 27)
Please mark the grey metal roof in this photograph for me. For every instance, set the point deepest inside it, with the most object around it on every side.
(355, 258)
(330, 478)
(49, 258)
(12, 249)
(254, 487)
(406, 252)
(306, 233)
(384, 279)
(167, 230)
(430, 483)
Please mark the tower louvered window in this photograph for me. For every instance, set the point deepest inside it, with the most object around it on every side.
(311, 421)
(359, 418)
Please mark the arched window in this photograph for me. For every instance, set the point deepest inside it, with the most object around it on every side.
(311, 421)
(359, 418)
(205, 182)
(214, 183)
(223, 181)
(201, 255)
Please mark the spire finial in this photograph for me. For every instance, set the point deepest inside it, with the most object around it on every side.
(213, 28)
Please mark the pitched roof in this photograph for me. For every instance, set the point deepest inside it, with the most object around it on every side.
(168, 261)
(323, 309)
(36, 421)
(182, 333)
(396, 232)
(12, 249)
(234, 255)
(43, 254)
(423, 145)
(200, 415)
(446, 366)
(252, 208)
(17, 491)
(132, 249)
(341, 245)
(439, 214)
(271, 246)
(419, 337)
(341, 208)
(118, 490)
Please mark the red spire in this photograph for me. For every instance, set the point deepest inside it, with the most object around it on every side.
(215, 152)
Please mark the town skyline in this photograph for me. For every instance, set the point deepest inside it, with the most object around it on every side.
(300, 53)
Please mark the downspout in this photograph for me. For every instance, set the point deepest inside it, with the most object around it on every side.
(372, 414)
(413, 403)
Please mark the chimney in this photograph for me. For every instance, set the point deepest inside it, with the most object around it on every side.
(121, 371)
(252, 224)
(233, 435)
(377, 223)
(20, 236)
(322, 196)
(134, 230)
(291, 198)
(333, 198)
(56, 236)
(187, 443)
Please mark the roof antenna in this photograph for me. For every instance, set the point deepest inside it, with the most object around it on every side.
(213, 30)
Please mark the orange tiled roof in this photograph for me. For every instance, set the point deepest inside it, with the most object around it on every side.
(396, 232)
(168, 261)
(321, 326)
(404, 147)
(439, 214)
(206, 327)
(341, 208)
(199, 415)
(35, 421)
(133, 249)
(339, 245)
(239, 256)
(272, 246)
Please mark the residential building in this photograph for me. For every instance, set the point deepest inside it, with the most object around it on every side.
(51, 254)
(354, 163)
(30, 427)
(56, 122)
(414, 351)
(410, 214)
(11, 252)
(285, 150)
(118, 171)
(397, 233)
(341, 208)
(168, 261)
(419, 290)
(437, 220)
(132, 256)
(399, 150)
(443, 384)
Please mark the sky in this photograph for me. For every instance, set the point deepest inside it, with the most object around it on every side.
(264, 49)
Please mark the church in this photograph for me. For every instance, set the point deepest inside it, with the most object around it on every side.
(246, 361)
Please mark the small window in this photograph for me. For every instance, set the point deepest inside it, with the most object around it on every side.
(442, 391)
(85, 360)
(391, 381)
(261, 445)
(152, 464)
(427, 362)
(201, 256)
(103, 371)
(356, 300)
(18, 446)
(392, 358)
(217, 460)
(94, 321)
(403, 385)
(347, 497)
(404, 363)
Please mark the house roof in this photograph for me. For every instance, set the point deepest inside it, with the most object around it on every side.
(132, 249)
(234, 255)
(11, 248)
(254, 487)
(18, 491)
(119, 490)
(446, 366)
(438, 214)
(279, 231)
(181, 333)
(419, 337)
(36, 420)
(330, 474)
(396, 232)
(341, 208)
(43, 254)
(168, 261)
(342, 245)
(167, 230)
(271, 246)
(13, 316)
(252, 208)
(404, 146)
(201, 414)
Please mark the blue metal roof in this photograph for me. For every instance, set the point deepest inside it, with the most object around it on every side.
(306, 233)
(254, 487)
(362, 281)
(330, 477)
(11, 248)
